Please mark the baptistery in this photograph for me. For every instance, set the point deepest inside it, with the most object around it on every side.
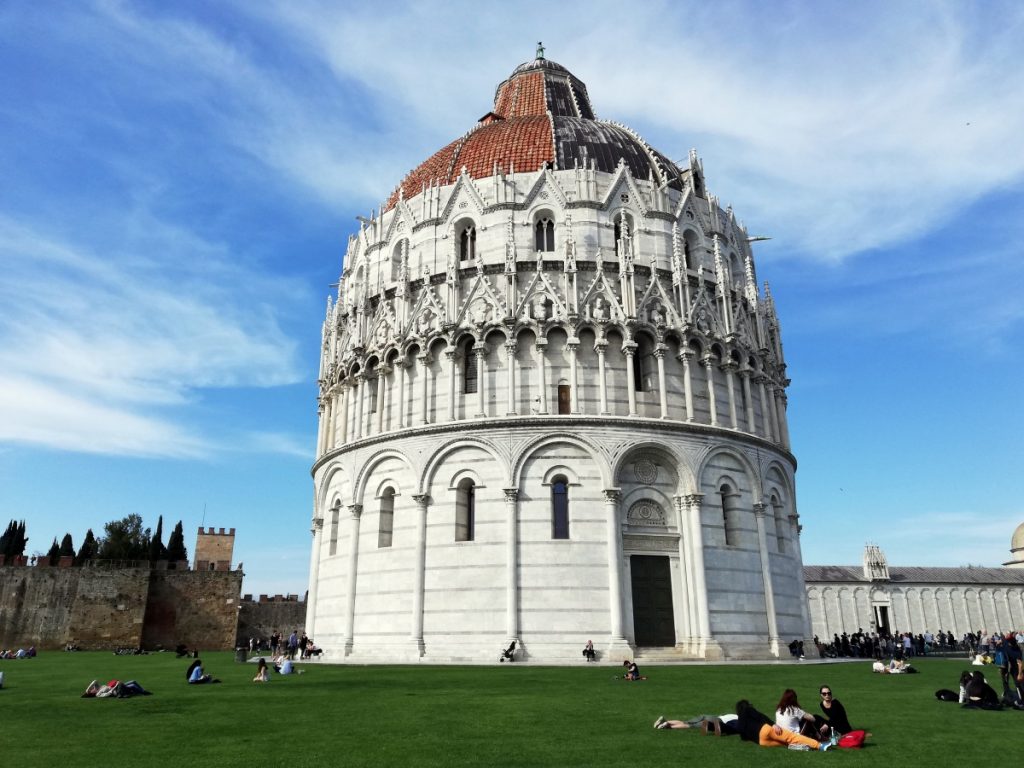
(552, 408)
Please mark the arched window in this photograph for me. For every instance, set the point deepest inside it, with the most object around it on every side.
(645, 365)
(467, 243)
(638, 371)
(780, 525)
(544, 237)
(469, 379)
(560, 508)
(387, 518)
(465, 511)
(728, 498)
(335, 514)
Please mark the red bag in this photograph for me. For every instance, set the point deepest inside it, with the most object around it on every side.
(852, 740)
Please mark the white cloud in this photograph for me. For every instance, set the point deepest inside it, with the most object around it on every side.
(839, 129)
(100, 352)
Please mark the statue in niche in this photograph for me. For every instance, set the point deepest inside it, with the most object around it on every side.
(703, 322)
(382, 334)
(598, 311)
(425, 322)
(656, 316)
(481, 311)
(538, 307)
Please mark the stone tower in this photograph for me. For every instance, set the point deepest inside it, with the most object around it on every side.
(214, 549)
(553, 407)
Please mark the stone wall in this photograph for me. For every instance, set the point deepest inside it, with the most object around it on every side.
(109, 608)
(261, 618)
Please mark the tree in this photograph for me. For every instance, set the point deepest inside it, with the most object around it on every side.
(67, 548)
(53, 556)
(12, 543)
(87, 550)
(157, 550)
(176, 545)
(125, 539)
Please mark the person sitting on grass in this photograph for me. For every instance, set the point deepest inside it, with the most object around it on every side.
(588, 651)
(632, 671)
(196, 676)
(756, 727)
(262, 673)
(976, 693)
(791, 717)
(722, 725)
(835, 713)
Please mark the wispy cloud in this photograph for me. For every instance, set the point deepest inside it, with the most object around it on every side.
(99, 352)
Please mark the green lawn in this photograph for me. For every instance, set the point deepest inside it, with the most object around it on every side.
(514, 715)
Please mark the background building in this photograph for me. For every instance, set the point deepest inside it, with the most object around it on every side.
(552, 407)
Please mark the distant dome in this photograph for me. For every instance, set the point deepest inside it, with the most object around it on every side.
(542, 115)
(1017, 540)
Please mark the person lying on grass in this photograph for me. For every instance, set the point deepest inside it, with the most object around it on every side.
(114, 689)
(756, 727)
(722, 725)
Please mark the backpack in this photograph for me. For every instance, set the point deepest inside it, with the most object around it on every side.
(944, 694)
(852, 740)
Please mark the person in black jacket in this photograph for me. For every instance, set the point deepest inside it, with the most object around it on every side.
(756, 727)
(834, 712)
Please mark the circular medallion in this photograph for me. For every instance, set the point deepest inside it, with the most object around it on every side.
(646, 471)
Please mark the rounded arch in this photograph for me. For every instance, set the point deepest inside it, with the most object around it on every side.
(752, 472)
(383, 485)
(778, 480)
(327, 481)
(684, 472)
(434, 461)
(558, 437)
(366, 471)
(464, 474)
(560, 470)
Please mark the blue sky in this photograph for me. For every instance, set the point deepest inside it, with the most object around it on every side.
(179, 181)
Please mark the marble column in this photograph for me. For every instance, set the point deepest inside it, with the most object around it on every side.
(628, 350)
(481, 379)
(450, 355)
(510, 356)
(322, 409)
(512, 560)
(686, 571)
(600, 348)
(728, 370)
(684, 358)
(356, 511)
(419, 572)
(542, 370)
(617, 639)
(382, 374)
(766, 579)
(343, 402)
(400, 364)
(709, 369)
(765, 414)
(424, 361)
(706, 645)
(360, 405)
(314, 574)
(574, 395)
(659, 354)
(745, 378)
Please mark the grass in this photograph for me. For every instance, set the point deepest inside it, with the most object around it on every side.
(505, 715)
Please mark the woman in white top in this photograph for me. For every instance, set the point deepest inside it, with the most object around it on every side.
(788, 714)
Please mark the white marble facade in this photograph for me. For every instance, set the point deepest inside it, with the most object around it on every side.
(545, 397)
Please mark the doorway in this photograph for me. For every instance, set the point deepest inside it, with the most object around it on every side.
(653, 620)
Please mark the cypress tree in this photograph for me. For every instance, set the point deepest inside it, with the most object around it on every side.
(87, 550)
(67, 548)
(176, 545)
(54, 554)
(157, 550)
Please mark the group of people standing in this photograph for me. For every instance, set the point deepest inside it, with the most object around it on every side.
(792, 726)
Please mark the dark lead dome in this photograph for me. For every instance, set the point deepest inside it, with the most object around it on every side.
(542, 115)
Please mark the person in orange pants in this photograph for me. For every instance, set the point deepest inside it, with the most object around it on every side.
(755, 726)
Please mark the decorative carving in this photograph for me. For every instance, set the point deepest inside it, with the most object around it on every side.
(650, 543)
(646, 512)
(646, 471)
